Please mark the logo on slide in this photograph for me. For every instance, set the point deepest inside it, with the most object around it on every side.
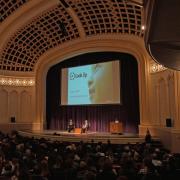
(77, 75)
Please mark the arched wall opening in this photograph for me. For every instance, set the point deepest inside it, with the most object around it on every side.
(100, 116)
(134, 47)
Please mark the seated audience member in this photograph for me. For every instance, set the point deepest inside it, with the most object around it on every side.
(30, 158)
(85, 126)
(70, 126)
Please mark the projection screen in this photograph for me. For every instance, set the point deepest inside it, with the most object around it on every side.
(91, 84)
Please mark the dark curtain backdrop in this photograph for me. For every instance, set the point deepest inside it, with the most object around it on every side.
(99, 116)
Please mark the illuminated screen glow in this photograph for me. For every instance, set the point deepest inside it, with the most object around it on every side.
(91, 84)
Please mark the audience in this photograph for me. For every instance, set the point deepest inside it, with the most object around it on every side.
(29, 158)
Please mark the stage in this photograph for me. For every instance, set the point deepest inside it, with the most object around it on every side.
(56, 135)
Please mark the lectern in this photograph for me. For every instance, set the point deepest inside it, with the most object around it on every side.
(116, 127)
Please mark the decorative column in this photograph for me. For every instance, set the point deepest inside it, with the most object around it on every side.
(157, 105)
(177, 100)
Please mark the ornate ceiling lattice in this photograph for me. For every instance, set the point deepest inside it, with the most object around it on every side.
(108, 16)
(7, 7)
(56, 26)
(43, 33)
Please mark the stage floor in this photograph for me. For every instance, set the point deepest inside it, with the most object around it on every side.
(56, 135)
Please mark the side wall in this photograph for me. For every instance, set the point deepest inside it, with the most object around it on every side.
(17, 105)
(165, 104)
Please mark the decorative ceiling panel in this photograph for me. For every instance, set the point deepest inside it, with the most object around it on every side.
(108, 16)
(44, 32)
(56, 26)
(7, 7)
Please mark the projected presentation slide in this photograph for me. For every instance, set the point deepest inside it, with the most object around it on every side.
(91, 84)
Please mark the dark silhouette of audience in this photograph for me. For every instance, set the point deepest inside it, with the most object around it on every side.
(27, 158)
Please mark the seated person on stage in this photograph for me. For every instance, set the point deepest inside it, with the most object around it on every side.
(85, 126)
(70, 126)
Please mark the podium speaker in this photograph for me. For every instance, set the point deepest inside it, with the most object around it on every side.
(168, 122)
(13, 119)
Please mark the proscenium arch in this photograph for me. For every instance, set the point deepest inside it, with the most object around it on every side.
(134, 47)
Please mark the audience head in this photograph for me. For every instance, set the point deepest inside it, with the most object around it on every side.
(23, 156)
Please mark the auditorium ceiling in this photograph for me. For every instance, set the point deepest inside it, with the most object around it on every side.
(30, 28)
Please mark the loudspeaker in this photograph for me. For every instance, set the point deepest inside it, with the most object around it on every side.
(168, 122)
(162, 37)
(13, 119)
